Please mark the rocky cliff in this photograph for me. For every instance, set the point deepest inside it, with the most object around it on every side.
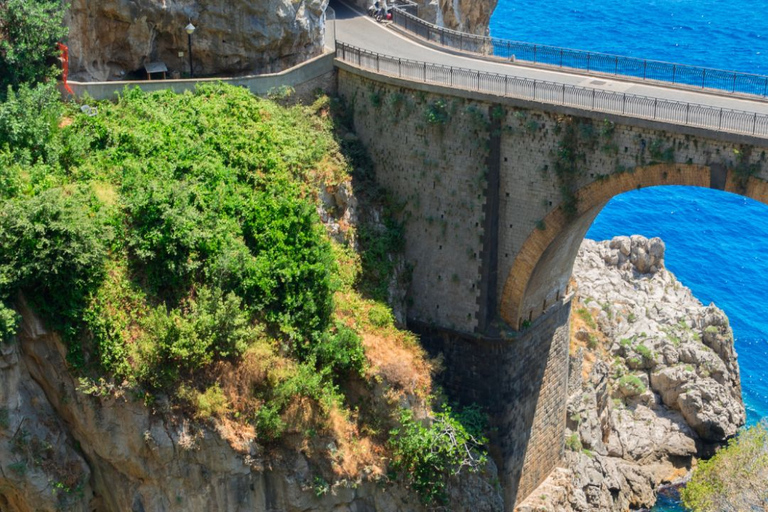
(114, 39)
(466, 15)
(654, 381)
(64, 447)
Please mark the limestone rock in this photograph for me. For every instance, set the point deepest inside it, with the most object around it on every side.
(663, 387)
(64, 449)
(113, 39)
(466, 15)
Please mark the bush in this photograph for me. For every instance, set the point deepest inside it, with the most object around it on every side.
(29, 31)
(287, 279)
(212, 326)
(167, 228)
(28, 121)
(52, 247)
(340, 351)
(9, 323)
(425, 456)
(736, 478)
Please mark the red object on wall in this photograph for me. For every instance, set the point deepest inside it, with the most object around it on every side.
(65, 66)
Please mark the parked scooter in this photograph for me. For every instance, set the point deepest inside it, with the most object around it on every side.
(379, 12)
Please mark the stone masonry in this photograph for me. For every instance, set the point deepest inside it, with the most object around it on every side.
(497, 195)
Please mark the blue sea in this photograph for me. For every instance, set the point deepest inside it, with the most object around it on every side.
(717, 243)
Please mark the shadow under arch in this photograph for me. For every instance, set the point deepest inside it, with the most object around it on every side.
(540, 273)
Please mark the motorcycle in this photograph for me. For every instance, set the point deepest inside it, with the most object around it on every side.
(379, 13)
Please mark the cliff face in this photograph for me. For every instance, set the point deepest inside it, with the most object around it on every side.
(466, 15)
(64, 447)
(111, 39)
(654, 381)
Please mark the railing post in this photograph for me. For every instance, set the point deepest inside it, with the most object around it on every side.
(506, 85)
(674, 72)
(765, 89)
(451, 68)
(720, 125)
(377, 63)
(645, 68)
(655, 106)
(588, 55)
(624, 104)
(616, 69)
(594, 92)
(754, 124)
(400, 67)
(687, 111)
(478, 81)
(534, 89)
(534, 54)
(425, 72)
(703, 77)
(561, 57)
(734, 83)
(563, 102)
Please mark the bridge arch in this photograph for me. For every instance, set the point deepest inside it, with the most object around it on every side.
(541, 271)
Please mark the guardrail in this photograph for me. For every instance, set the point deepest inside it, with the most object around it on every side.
(616, 65)
(668, 111)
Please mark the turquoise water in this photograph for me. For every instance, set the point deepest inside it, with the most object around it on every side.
(717, 243)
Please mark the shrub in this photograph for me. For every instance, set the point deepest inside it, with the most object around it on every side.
(736, 478)
(631, 385)
(340, 351)
(573, 442)
(288, 277)
(380, 316)
(212, 326)
(9, 323)
(427, 455)
(28, 120)
(167, 228)
(28, 35)
(211, 403)
(52, 247)
(437, 113)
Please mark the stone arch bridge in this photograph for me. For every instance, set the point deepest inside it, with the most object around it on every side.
(497, 194)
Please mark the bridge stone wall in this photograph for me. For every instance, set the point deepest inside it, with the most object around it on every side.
(438, 170)
(522, 383)
(498, 194)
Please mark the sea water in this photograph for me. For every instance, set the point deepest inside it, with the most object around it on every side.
(717, 243)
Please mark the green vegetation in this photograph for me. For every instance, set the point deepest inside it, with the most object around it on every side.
(586, 316)
(28, 35)
(437, 113)
(427, 453)
(573, 442)
(736, 478)
(631, 384)
(174, 243)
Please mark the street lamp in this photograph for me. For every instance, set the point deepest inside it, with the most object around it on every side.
(190, 30)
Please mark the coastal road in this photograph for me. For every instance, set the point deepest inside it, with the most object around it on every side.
(355, 28)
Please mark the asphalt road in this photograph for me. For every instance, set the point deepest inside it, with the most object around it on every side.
(355, 28)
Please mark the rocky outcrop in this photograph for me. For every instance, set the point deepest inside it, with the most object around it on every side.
(65, 447)
(654, 381)
(466, 15)
(114, 39)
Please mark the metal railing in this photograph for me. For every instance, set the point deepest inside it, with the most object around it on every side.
(604, 63)
(657, 109)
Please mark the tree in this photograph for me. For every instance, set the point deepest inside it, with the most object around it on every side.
(735, 479)
(29, 30)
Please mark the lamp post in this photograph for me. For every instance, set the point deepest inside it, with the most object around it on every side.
(190, 30)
